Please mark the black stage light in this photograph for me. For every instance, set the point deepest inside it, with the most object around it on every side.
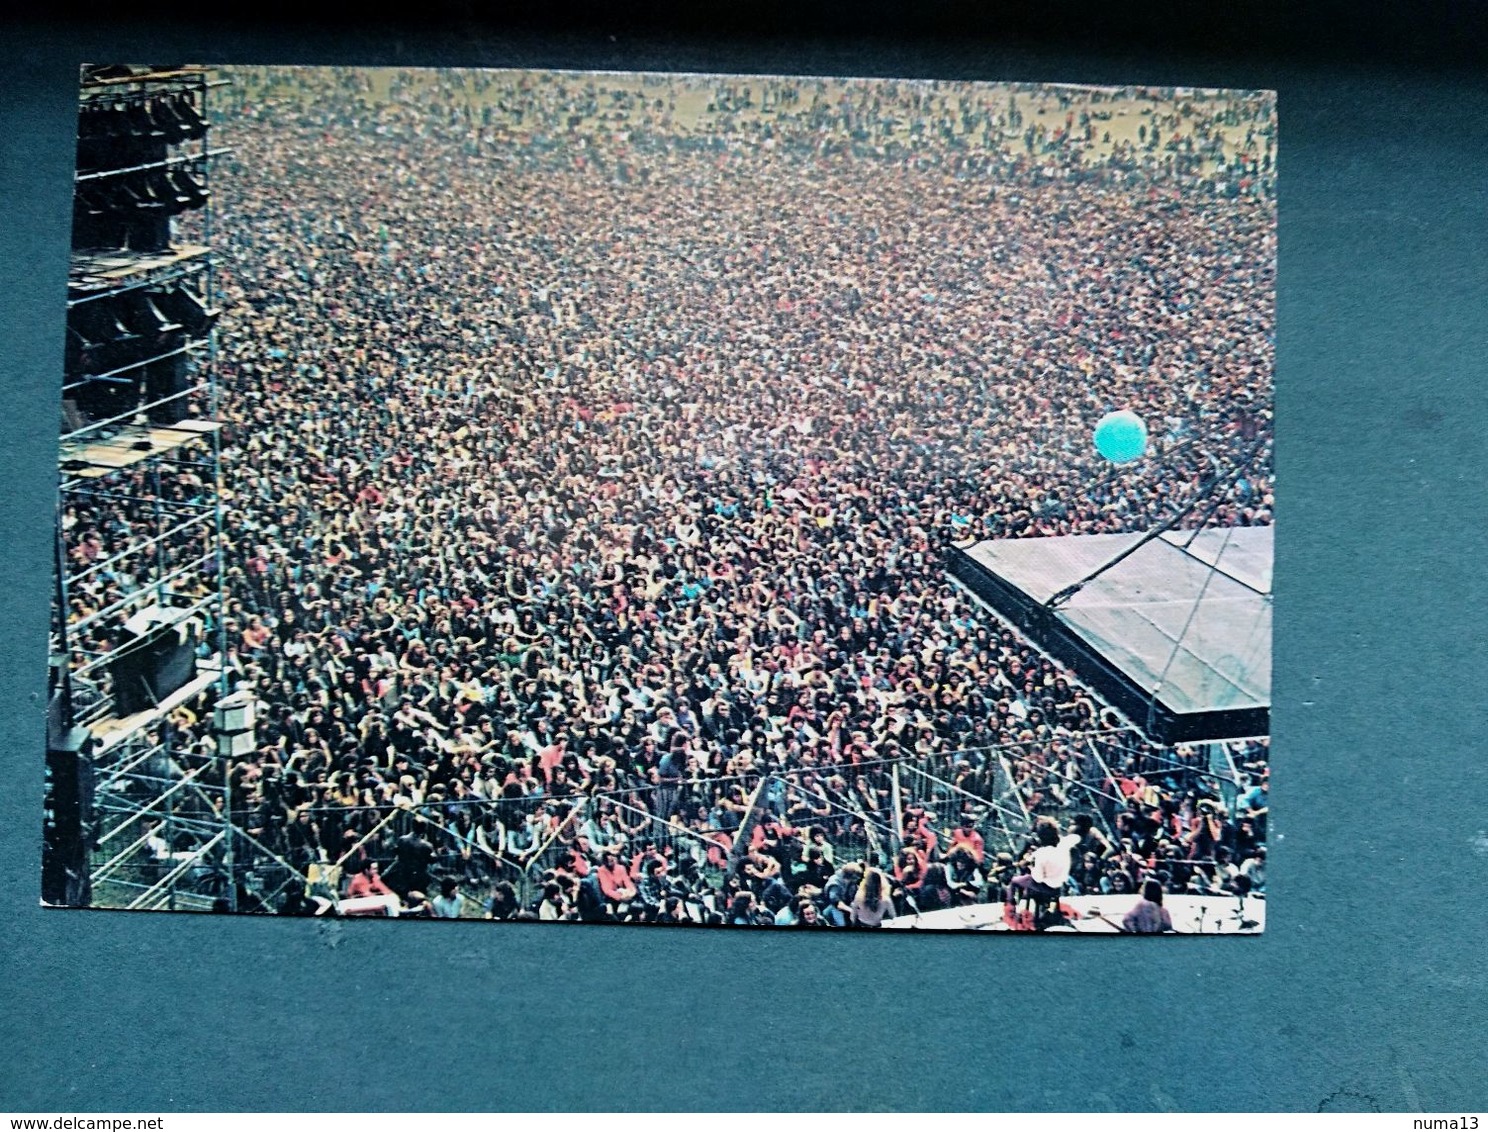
(140, 314)
(119, 137)
(111, 344)
(82, 354)
(166, 378)
(96, 152)
(191, 120)
(156, 187)
(109, 124)
(91, 123)
(140, 123)
(175, 128)
(108, 400)
(99, 321)
(147, 231)
(182, 305)
(189, 190)
(95, 226)
(184, 192)
(136, 189)
(90, 200)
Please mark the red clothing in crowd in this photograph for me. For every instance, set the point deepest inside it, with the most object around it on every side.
(921, 829)
(615, 882)
(365, 884)
(720, 845)
(916, 870)
(550, 758)
(578, 863)
(973, 842)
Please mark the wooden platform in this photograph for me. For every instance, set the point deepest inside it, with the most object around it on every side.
(101, 270)
(1099, 915)
(174, 74)
(87, 458)
(110, 733)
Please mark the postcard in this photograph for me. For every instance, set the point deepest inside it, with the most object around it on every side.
(670, 499)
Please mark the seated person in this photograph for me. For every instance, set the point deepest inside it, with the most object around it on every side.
(934, 890)
(1148, 916)
(447, 904)
(1050, 866)
(966, 837)
(652, 887)
(615, 882)
(504, 903)
(367, 882)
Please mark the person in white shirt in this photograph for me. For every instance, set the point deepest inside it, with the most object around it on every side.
(447, 903)
(1049, 866)
(1254, 870)
(156, 843)
(1052, 859)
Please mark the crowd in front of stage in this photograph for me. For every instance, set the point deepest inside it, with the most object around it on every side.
(592, 471)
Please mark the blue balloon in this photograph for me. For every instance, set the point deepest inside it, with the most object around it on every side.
(1121, 437)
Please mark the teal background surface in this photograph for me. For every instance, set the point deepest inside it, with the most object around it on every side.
(1369, 989)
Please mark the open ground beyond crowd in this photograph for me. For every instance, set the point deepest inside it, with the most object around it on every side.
(593, 444)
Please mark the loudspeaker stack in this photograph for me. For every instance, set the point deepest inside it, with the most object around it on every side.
(137, 308)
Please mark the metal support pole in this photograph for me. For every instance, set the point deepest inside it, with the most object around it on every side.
(158, 522)
(227, 835)
(1014, 788)
(896, 796)
(1234, 474)
(170, 824)
(746, 827)
(63, 649)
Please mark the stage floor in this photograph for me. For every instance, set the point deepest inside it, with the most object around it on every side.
(1192, 915)
(1178, 633)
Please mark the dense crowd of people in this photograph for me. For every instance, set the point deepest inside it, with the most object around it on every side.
(594, 443)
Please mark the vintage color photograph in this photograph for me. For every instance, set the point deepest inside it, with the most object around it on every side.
(671, 499)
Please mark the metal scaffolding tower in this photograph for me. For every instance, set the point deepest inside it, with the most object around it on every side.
(136, 815)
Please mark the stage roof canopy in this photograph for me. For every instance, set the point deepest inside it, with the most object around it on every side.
(1185, 619)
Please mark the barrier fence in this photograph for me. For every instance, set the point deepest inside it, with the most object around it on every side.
(704, 826)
